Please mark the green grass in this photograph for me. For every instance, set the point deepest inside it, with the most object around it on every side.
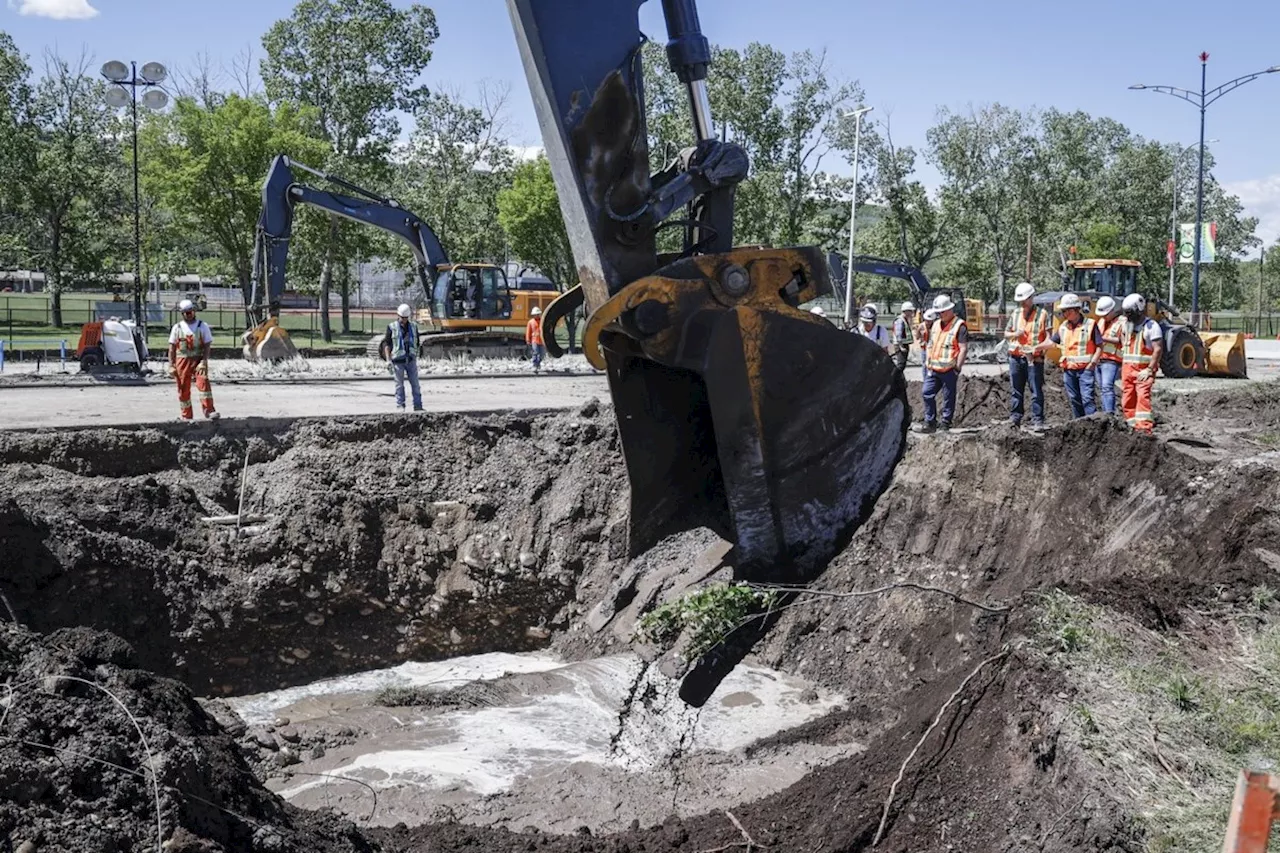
(1145, 699)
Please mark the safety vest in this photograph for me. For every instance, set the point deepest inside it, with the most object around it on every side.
(190, 346)
(1036, 330)
(1077, 345)
(1110, 351)
(901, 333)
(1136, 348)
(944, 346)
(399, 349)
(533, 332)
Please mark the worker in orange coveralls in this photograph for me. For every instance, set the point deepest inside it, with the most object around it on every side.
(533, 337)
(189, 345)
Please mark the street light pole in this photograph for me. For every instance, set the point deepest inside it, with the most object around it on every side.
(1173, 222)
(126, 77)
(1203, 101)
(853, 212)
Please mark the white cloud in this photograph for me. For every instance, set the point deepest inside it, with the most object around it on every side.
(1261, 198)
(59, 10)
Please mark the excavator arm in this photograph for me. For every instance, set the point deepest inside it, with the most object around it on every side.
(281, 192)
(736, 410)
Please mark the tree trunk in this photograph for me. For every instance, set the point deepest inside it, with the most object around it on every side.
(1000, 279)
(345, 293)
(54, 282)
(326, 281)
(571, 325)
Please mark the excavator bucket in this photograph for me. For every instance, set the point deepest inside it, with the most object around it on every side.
(1224, 354)
(268, 341)
(736, 409)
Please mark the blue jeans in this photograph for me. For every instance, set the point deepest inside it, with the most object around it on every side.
(537, 351)
(408, 370)
(946, 383)
(1108, 373)
(1020, 374)
(1079, 385)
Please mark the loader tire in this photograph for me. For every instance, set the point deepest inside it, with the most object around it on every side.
(1184, 355)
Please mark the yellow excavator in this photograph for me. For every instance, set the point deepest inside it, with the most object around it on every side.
(1188, 350)
(736, 409)
(471, 307)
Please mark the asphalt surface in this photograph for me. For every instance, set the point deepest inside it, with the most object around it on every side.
(30, 406)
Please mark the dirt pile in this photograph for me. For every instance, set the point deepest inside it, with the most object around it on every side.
(931, 622)
(373, 540)
(97, 756)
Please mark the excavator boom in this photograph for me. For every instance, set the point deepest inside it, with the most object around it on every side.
(736, 409)
(281, 192)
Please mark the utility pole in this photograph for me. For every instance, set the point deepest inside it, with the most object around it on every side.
(853, 212)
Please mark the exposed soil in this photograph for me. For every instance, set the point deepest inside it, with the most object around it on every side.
(389, 540)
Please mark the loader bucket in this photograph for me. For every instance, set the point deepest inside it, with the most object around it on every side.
(1224, 354)
(757, 419)
(267, 341)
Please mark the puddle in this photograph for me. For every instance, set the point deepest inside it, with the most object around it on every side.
(546, 739)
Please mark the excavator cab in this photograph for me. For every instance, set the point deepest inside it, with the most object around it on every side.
(737, 410)
(478, 292)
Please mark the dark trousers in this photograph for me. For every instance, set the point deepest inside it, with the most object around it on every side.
(1023, 372)
(900, 359)
(1079, 385)
(946, 383)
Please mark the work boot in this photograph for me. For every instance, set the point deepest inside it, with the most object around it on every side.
(928, 427)
(213, 416)
(946, 425)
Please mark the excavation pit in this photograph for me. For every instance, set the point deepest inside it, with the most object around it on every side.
(1040, 597)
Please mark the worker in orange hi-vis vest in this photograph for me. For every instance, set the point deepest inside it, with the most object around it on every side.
(189, 343)
(1141, 346)
(533, 337)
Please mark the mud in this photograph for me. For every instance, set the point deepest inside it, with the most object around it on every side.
(367, 520)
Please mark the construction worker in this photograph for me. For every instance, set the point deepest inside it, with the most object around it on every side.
(948, 346)
(533, 337)
(869, 328)
(1028, 329)
(400, 347)
(189, 343)
(1109, 322)
(1141, 345)
(1081, 344)
(901, 337)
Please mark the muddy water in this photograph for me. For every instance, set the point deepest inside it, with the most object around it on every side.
(545, 743)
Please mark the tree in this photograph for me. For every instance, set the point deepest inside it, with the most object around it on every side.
(456, 164)
(206, 165)
(16, 104)
(916, 227)
(75, 197)
(356, 62)
(993, 172)
(529, 212)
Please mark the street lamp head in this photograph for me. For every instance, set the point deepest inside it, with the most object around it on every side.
(1138, 86)
(1272, 70)
(117, 96)
(115, 71)
(154, 72)
(858, 112)
(154, 99)
(1204, 58)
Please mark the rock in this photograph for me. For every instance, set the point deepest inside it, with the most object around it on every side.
(528, 560)
(317, 751)
(589, 409)
(26, 847)
(287, 756)
(455, 636)
(290, 734)
(536, 632)
(301, 654)
(263, 738)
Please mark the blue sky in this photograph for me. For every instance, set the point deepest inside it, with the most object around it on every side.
(911, 56)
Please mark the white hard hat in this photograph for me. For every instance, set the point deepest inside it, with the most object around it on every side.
(1023, 292)
(1135, 302)
(942, 302)
(186, 305)
(930, 315)
(536, 311)
(908, 307)
(404, 310)
(868, 312)
(1069, 300)
(1106, 305)
(817, 309)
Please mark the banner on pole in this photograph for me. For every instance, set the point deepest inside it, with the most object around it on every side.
(1208, 243)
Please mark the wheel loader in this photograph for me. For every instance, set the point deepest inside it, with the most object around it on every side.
(1187, 352)
(737, 410)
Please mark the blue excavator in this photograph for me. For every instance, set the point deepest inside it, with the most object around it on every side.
(471, 310)
(736, 409)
